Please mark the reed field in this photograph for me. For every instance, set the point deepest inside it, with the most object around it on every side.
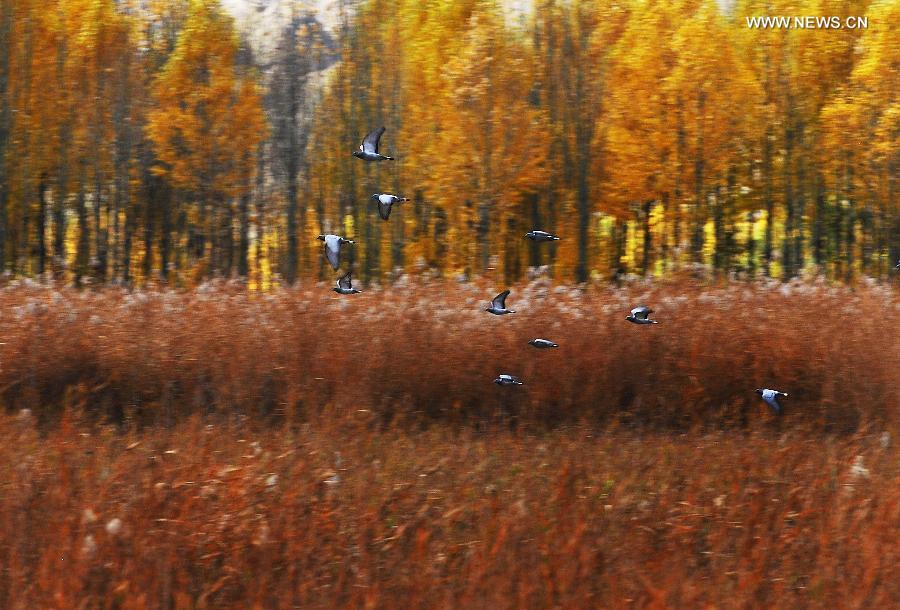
(218, 448)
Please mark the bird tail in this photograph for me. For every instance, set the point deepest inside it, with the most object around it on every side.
(555, 239)
(389, 158)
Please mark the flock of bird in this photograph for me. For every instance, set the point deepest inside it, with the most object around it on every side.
(368, 151)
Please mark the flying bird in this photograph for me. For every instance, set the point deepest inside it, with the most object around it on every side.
(505, 379)
(333, 245)
(539, 236)
(641, 315)
(385, 201)
(498, 304)
(898, 264)
(368, 150)
(543, 344)
(771, 397)
(344, 285)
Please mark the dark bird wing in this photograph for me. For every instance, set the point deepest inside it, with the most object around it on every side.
(773, 404)
(333, 250)
(642, 312)
(500, 300)
(344, 281)
(370, 142)
(384, 209)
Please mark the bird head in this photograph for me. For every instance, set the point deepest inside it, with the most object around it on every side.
(629, 317)
(498, 381)
(357, 153)
(532, 342)
(374, 196)
(759, 391)
(529, 235)
(321, 238)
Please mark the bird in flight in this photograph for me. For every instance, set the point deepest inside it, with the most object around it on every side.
(344, 285)
(771, 397)
(543, 344)
(498, 304)
(539, 236)
(385, 201)
(333, 245)
(368, 150)
(641, 315)
(505, 379)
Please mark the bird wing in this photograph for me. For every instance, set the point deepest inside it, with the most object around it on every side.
(344, 281)
(370, 142)
(500, 300)
(384, 209)
(773, 403)
(333, 250)
(641, 312)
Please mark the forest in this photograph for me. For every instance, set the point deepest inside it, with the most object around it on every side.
(189, 418)
(158, 141)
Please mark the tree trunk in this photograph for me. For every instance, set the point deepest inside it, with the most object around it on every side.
(84, 237)
(620, 241)
(244, 246)
(151, 200)
(228, 237)
(769, 200)
(681, 152)
(787, 258)
(6, 43)
(259, 226)
(42, 225)
(62, 172)
(719, 255)
(130, 211)
(647, 208)
(800, 195)
(664, 245)
(837, 232)
(751, 246)
(851, 217)
(165, 234)
(101, 238)
(729, 203)
(122, 131)
(818, 236)
(534, 253)
(101, 233)
(699, 196)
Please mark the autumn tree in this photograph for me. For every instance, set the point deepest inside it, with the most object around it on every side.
(208, 115)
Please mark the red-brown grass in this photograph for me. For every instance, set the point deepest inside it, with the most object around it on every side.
(222, 449)
(430, 353)
(338, 514)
